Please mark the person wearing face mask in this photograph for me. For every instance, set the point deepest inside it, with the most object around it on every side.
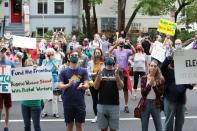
(83, 59)
(5, 98)
(122, 55)
(94, 66)
(74, 81)
(108, 82)
(178, 44)
(139, 66)
(88, 51)
(53, 63)
(105, 44)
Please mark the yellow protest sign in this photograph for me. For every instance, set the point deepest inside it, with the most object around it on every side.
(166, 27)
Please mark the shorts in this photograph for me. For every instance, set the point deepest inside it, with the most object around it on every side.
(5, 99)
(108, 116)
(125, 84)
(74, 113)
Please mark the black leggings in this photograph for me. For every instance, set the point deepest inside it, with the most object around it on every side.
(136, 77)
(94, 94)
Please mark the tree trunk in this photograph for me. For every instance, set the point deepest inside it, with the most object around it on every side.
(176, 16)
(84, 24)
(121, 14)
(86, 7)
(132, 17)
(95, 19)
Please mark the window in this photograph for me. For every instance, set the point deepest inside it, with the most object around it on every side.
(58, 29)
(59, 6)
(135, 27)
(108, 24)
(40, 6)
(40, 31)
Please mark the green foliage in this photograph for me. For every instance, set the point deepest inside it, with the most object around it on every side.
(185, 35)
(191, 14)
(48, 35)
(96, 2)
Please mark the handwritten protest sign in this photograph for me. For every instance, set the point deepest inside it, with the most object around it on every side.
(24, 42)
(5, 79)
(30, 83)
(166, 27)
(158, 53)
(185, 62)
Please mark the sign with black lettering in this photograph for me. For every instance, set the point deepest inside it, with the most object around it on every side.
(30, 83)
(5, 81)
(185, 62)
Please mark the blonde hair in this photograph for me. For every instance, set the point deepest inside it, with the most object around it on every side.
(167, 41)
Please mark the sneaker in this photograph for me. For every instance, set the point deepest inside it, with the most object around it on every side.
(94, 120)
(44, 115)
(5, 129)
(56, 115)
(126, 109)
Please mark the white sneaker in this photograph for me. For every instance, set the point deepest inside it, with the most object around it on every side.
(94, 120)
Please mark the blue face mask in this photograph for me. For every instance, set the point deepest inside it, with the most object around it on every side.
(109, 61)
(74, 59)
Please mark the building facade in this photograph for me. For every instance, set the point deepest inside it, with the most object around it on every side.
(45, 15)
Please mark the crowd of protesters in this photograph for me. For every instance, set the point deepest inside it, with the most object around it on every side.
(101, 69)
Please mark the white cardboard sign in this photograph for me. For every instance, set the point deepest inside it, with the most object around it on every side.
(185, 62)
(24, 42)
(158, 53)
(30, 83)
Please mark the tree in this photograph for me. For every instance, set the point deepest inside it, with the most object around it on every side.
(87, 6)
(181, 5)
(121, 14)
(149, 7)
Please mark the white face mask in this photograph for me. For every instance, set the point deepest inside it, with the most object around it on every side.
(179, 46)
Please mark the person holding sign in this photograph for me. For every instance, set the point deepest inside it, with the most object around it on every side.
(74, 82)
(5, 98)
(31, 108)
(53, 64)
(174, 97)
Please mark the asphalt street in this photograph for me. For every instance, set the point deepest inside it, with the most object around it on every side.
(127, 120)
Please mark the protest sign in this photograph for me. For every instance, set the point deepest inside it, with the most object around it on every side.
(185, 62)
(158, 53)
(30, 83)
(166, 27)
(5, 79)
(24, 42)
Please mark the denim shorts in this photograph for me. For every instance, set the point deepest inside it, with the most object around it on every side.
(108, 116)
(74, 113)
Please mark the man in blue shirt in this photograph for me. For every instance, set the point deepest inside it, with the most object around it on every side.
(74, 82)
(5, 98)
